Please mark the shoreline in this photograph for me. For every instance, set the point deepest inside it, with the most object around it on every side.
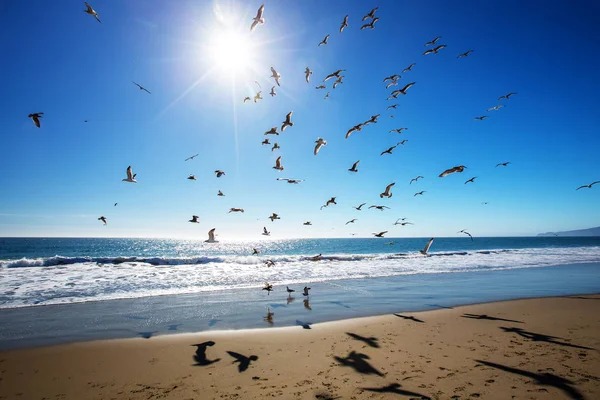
(542, 348)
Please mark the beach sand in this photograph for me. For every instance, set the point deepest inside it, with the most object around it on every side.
(545, 348)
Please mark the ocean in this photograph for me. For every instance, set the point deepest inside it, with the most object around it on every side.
(56, 290)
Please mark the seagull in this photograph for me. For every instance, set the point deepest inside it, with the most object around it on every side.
(130, 176)
(257, 96)
(351, 221)
(266, 232)
(307, 223)
(399, 130)
(320, 87)
(220, 193)
(504, 164)
(409, 68)
(506, 96)
(400, 223)
(394, 77)
(587, 186)
(194, 219)
(287, 289)
(432, 42)
(353, 169)
(287, 122)
(268, 287)
(320, 142)
(272, 131)
(254, 252)
(296, 181)
(371, 14)
(141, 87)
(330, 201)
(403, 223)
(259, 18)
(247, 99)
(278, 165)
(191, 157)
(359, 207)
(219, 173)
(211, 236)
(35, 117)
(459, 168)
(496, 108)
(354, 129)
(305, 292)
(402, 142)
(344, 24)
(405, 88)
(419, 193)
(334, 74)
(380, 208)
(275, 75)
(103, 219)
(465, 54)
(274, 217)
(91, 11)
(427, 246)
(372, 120)
(387, 192)
(324, 41)
(235, 210)
(466, 233)
(472, 180)
(272, 93)
(380, 234)
(275, 146)
(370, 25)
(258, 84)
(266, 141)
(388, 151)
(115, 204)
(392, 83)
(338, 81)
(307, 74)
(434, 50)
(484, 203)
(481, 118)
(191, 177)
(392, 106)
(415, 179)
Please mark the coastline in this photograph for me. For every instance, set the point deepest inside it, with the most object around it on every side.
(542, 348)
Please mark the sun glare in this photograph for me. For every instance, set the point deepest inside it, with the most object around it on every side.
(231, 51)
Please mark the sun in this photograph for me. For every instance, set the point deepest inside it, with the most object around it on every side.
(231, 51)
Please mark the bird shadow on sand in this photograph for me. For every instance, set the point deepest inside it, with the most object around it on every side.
(370, 341)
(544, 379)
(147, 335)
(304, 325)
(410, 317)
(581, 298)
(200, 355)
(244, 362)
(357, 362)
(539, 337)
(489, 318)
(395, 388)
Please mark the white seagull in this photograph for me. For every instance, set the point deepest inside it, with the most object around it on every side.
(409, 68)
(211, 236)
(387, 192)
(344, 24)
(91, 11)
(275, 75)
(272, 93)
(265, 231)
(130, 176)
(278, 165)
(432, 42)
(320, 142)
(459, 168)
(307, 74)
(434, 50)
(287, 122)
(259, 18)
(427, 246)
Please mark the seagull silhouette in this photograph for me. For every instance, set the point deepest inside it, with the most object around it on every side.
(243, 360)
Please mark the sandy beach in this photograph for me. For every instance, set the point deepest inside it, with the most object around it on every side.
(545, 348)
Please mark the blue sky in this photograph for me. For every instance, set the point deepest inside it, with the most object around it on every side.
(58, 179)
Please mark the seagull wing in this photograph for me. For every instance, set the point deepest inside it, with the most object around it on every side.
(427, 246)
(278, 162)
(129, 173)
(259, 14)
(211, 235)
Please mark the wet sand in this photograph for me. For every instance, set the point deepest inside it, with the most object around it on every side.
(545, 348)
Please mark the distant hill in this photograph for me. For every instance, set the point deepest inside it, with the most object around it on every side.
(579, 232)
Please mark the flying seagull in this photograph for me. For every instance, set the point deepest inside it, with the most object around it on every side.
(272, 131)
(116, 204)
(380, 208)
(324, 41)
(427, 246)
(266, 232)
(103, 219)
(275, 75)
(320, 142)
(338, 81)
(320, 87)
(371, 14)
(403, 223)
(392, 106)
(388, 151)
(334, 74)
(275, 146)
(130, 176)
(415, 179)
(481, 118)
(258, 96)
(353, 169)
(351, 221)
(266, 141)
(402, 142)
(191, 177)
(419, 193)
(254, 252)
(466, 233)
(464, 54)
(272, 93)
(91, 11)
(307, 223)
(273, 217)
(141, 87)
(496, 108)
(387, 192)
(194, 219)
(344, 24)
(307, 74)
(247, 99)
(305, 292)
(211, 236)
(287, 122)
(278, 165)
(587, 186)
(354, 129)
(409, 68)
(191, 157)
(472, 180)
(380, 234)
(330, 201)
(219, 173)
(394, 77)
(434, 50)
(259, 18)
(399, 130)
(405, 88)
(506, 96)
(268, 287)
(296, 181)
(233, 209)
(359, 207)
(220, 193)
(504, 164)
(459, 168)
(434, 41)
(35, 117)
(370, 25)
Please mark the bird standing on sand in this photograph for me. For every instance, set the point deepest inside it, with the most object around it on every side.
(103, 219)
(344, 24)
(130, 176)
(427, 246)
(320, 143)
(287, 122)
(258, 19)
(278, 165)
(211, 236)
(307, 74)
(459, 168)
(141, 87)
(290, 291)
(587, 186)
(35, 117)
(353, 169)
(91, 11)
(194, 219)
(387, 192)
